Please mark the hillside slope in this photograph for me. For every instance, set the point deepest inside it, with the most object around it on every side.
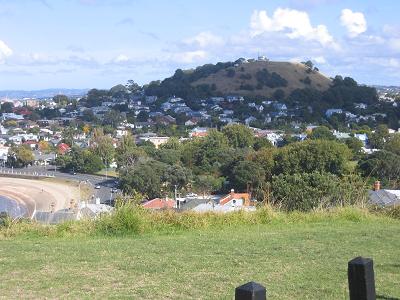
(245, 78)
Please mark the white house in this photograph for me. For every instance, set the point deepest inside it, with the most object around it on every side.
(331, 111)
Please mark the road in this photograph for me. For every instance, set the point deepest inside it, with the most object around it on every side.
(104, 193)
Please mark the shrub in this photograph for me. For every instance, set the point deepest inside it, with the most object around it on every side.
(128, 218)
(306, 192)
(311, 156)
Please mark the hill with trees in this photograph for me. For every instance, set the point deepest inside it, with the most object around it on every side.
(242, 77)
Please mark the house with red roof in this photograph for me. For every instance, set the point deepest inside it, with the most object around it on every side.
(160, 203)
(237, 199)
(63, 148)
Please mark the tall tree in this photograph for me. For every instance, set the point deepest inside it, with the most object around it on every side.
(102, 145)
(20, 156)
(238, 135)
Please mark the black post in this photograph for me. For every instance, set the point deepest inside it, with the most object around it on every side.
(251, 291)
(361, 279)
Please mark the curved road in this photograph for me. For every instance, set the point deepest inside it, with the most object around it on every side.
(106, 185)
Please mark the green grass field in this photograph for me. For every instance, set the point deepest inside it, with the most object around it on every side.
(297, 260)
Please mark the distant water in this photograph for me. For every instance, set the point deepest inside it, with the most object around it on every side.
(12, 207)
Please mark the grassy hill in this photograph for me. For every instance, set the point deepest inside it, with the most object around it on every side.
(296, 256)
(254, 79)
(244, 76)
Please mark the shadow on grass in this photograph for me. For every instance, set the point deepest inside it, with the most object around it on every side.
(386, 297)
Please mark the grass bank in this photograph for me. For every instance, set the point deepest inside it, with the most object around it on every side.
(133, 220)
(297, 256)
(165, 255)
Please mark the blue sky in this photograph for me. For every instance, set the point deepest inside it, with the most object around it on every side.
(100, 43)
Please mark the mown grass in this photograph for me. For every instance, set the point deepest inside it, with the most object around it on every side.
(296, 256)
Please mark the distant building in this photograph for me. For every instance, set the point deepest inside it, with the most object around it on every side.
(382, 197)
(11, 116)
(231, 202)
(63, 148)
(363, 137)
(198, 132)
(3, 154)
(331, 111)
(156, 140)
(160, 203)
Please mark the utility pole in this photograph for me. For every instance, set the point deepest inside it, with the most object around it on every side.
(106, 168)
(176, 201)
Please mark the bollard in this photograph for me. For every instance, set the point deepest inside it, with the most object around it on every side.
(251, 291)
(361, 279)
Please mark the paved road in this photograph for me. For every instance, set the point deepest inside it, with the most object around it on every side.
(105, 184)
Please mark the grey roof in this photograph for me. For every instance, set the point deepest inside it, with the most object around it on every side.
(384, 198)
(192, 203)
(54, 218)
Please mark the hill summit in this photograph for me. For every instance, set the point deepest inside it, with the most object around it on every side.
(264, 78)
(261, 78)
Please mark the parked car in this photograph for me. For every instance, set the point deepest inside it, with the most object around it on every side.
(191, 195)
(97, 187)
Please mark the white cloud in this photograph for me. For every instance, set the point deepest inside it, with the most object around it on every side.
(319, 59)
(205, 39)
(190, 56)
(5, 51)
(296, 24)
(354, 22)
(121, 58)
(394, 44)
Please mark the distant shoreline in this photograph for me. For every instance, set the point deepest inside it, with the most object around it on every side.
(38, 195)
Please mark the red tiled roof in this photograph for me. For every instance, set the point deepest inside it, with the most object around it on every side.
(245, 196)
(63, 147)
(159, 203)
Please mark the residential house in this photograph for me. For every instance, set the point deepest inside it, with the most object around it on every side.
(331, 111)
(43, 159)
(192, 122)
(160, 203)
(383, 197)
(363, 137)
(249, 120)
(229, 203)
(165, 120)
(11, 116)
(198, 132)
(153, 138)
(341, 135)
(3, 154)
(63, 148)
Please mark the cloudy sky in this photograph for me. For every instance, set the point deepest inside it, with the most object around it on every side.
(100, 43)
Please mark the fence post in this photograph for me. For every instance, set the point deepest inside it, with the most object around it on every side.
(251, 291)
(361, 278)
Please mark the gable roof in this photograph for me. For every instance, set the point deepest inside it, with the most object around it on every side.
(236, 196)
(159, 203)
(384, 197)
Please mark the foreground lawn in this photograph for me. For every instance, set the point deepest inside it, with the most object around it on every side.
(294, 261)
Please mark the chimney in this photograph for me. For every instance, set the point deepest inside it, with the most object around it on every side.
(377, 185)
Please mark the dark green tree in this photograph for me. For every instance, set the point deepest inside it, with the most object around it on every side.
(239, 136)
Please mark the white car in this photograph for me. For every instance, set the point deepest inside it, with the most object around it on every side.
(191, 195)
(97, 187)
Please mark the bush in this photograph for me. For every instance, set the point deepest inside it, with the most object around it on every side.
(306, 192)
(311, 156)
(272, 80)
(127, 218)
(5, 219)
